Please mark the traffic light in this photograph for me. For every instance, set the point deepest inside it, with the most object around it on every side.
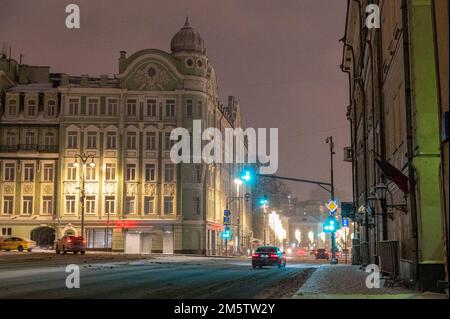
(331, 225)
(263, 202)
(226, 234)
(246, 175)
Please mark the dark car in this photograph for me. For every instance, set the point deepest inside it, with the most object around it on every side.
(268, 256)
(322, 254)
(74, 244)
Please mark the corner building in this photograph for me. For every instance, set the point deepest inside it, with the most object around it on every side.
(136, 199)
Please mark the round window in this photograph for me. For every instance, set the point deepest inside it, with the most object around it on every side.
(199, 63)
(189, 62)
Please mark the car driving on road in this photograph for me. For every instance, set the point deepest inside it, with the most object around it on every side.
(74, 244)
(16, 243)
(268, 256)
(322, 254)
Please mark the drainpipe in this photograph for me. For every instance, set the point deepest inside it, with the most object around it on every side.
(409, 136)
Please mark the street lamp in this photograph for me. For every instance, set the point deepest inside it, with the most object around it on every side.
(381, 190)
(84, 159)
(371, 200)
(238, 183)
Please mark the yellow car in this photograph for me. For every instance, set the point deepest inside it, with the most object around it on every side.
(16, 243)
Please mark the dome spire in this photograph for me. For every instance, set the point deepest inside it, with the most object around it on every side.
(186, 23)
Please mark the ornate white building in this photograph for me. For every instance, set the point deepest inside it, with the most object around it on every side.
(136, 198)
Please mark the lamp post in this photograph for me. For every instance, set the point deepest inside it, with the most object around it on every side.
(329, 141)
(83, 159)
(238, 183)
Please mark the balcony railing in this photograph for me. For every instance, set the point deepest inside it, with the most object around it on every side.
(30, 147)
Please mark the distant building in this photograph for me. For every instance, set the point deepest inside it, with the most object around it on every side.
(137, 200)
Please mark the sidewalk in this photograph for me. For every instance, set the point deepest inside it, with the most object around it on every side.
(348, 282)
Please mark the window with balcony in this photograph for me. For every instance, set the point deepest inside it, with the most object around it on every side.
(170, 108)
(28, 172)
(10, 172)
(151, 108)
(49, 140)
(111, 140)
(27, 205)
(11, 139)
(30, 140)
(8, 205)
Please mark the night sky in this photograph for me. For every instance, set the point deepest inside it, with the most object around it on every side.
(280, 58)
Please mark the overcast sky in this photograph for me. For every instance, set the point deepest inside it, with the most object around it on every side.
(280, 58)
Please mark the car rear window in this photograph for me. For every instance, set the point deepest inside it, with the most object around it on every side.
(266, 250)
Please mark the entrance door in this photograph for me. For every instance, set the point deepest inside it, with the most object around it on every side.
(168, 243)
(132, 243)
(43, 236)
(146, 244)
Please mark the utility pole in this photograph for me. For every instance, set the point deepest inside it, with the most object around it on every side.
(329, 141)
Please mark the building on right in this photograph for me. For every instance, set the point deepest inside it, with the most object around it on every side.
(398, 110)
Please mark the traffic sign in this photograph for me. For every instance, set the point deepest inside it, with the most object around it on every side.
(226, 212)
(332, 206)
(345, 222)
(226, 220)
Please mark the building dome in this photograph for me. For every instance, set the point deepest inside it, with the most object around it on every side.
(187, 39)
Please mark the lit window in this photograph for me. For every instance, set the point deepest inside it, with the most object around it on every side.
(90, 173)
(71, 172)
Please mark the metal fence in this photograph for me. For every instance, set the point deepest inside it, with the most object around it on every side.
(389, 258)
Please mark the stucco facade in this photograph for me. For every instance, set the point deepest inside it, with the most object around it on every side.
(136, 198)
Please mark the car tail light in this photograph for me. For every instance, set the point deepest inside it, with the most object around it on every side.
(69, 240)
(273, 256)
(84, 241)
(255, 255)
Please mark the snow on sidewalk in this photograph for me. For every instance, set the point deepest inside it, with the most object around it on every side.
(349, 282)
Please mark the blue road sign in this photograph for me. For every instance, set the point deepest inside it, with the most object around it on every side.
(226, 212)
(226, 220)
(345, 222)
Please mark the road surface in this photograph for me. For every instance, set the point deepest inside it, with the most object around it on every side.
(43, 275)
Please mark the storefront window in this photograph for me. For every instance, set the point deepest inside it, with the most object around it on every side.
(96, 238)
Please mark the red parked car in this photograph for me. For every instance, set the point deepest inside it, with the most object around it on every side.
(74, 244)
(268, 256)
